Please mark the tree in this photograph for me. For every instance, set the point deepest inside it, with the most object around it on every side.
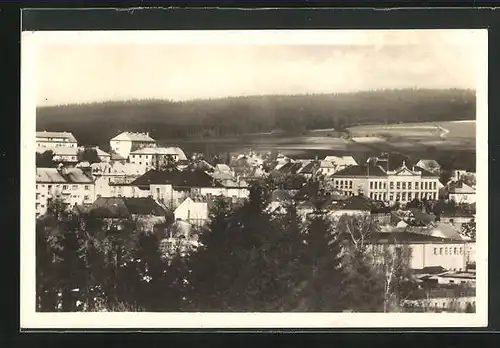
(45, 159)
(445, 176)
(88, 155)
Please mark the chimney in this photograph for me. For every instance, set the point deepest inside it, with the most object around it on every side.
(147, 133)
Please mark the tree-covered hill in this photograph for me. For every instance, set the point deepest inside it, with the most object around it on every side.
(96, 123)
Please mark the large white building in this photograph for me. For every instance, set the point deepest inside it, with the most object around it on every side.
(153, 157)
(71, 185)
(461, 193)
(401, 185)
(52, 140)
(126, 142)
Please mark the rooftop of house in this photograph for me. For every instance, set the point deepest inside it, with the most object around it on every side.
(428, 163)
(360, 203)
(194, 203)
(185, 178)
(66, 175)
(62, 135)
(341, 160)
(326, 164)
(308, 168)
(407, 237)
(460, 188)
(122, 207)
(223, 167)
(134, 136)
(361, 170)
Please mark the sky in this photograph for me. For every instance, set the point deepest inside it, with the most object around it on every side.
(84, 70)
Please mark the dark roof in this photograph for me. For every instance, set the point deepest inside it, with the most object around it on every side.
(123, 207)
(308, 168)
(407, 237)
(360, 202)
(361, 170)
(185, 178)
(425, 172)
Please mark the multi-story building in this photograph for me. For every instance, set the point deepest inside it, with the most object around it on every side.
(65, 155)
(52, 140)
(72, 185)
(126, 142)
(111, 177)
(154, 157)
(400, 185)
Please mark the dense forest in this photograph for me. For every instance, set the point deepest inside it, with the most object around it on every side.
(96, 123)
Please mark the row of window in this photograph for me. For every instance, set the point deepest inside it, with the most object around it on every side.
(402, 196)
(448, 251)
(65, 187)
(404, 185)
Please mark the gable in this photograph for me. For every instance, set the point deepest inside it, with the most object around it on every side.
(405, 172)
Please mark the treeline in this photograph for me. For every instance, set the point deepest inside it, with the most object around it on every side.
(249, 260)
(243, 115)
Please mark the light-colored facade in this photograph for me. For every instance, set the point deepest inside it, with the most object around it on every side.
(52, 140)
(126, 142)
(71, 185)
(195, 213)
(153, 157)
(462, 193)
(111, 178)
(451, 255)
(65, 154)
(401, 185)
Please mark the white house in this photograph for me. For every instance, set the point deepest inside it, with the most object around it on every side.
(461, 193)
(193, 212)
(153, 157)
(65, 154)
(52, 140)
(126, 142)
(341, 162)
(71, 185)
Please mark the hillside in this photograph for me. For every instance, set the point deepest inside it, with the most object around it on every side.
(96, 123)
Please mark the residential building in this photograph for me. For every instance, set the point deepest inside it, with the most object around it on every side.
(326, 168)
(341, 162)
(65, 155)
(111, 179)
(72, 185)
(426, 250)
(155, 157)
(52, 140)
(192, 211)
(460, 192)
(401, 185)
(126, 142)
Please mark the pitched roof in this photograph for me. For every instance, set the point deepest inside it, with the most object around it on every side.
(406, 237)
(68, 175)
(134, 136)
(361, 170)
(326, 164)
(359, 202)
(308, 168)
(64, 135)
(123, 207)
(428, 163)
(460, 188)
(223, 167)
(425, 173)
(341, 160)
(185, 178)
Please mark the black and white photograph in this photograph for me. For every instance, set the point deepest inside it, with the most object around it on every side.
(277, 178)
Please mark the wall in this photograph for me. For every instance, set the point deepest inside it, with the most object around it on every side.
(188, 211)
(463, 197)
(71, 194)
(121, 147)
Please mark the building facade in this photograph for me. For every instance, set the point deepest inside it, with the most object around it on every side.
(126, 142)
(154, 157)
(401, 185)
(52, 140)
(71, 185)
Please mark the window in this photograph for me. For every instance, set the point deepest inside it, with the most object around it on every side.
(398, 185)
(140, 163)
(86, 198)
(404, 185)
(36, 187)
(435, 251)
(350, 184)
(140, 156)
(461, 251)
(371, 195)
(446, 251)
(434, 185)
(440, 251)
(409, 196)
(409, 186)
(404, 196)
(49, 187)
(398, 196)
(391, 197)
(455, 251)
(416, 195)
(87, 187)
(416, 185)
(371, 184)
(391, 185)
(65, 187)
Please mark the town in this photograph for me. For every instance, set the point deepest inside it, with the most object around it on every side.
(174, 192)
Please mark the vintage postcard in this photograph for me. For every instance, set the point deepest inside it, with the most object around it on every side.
(254, 179)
